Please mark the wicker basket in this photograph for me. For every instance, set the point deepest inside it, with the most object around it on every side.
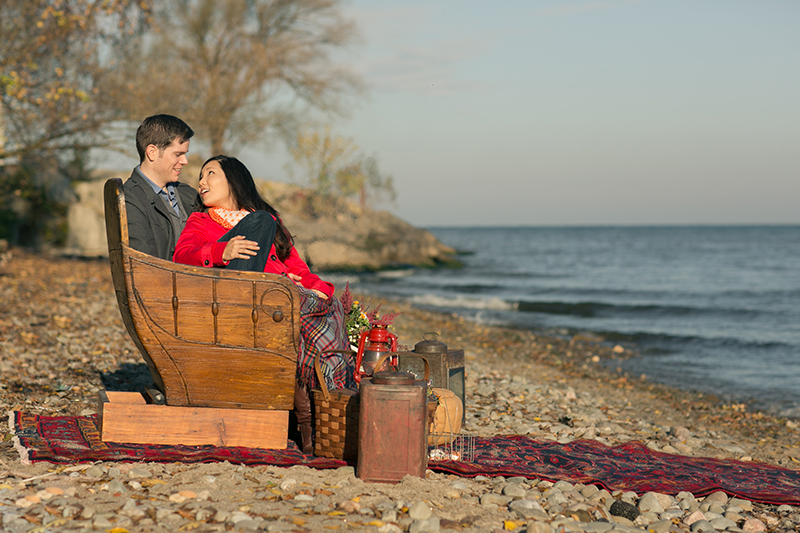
(335, 420)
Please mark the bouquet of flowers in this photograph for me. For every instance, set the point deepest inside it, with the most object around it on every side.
(358, 318)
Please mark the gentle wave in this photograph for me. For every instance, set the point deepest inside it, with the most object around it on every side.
(393, 274)
(669, 342)
(600, 309)
(472, 288)
(495, 304)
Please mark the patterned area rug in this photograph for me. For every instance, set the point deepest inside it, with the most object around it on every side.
(630, 466)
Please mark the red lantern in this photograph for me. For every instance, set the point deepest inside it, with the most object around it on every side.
(373, 344)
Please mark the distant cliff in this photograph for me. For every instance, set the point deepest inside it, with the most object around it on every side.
(336, 234)
(331, 234)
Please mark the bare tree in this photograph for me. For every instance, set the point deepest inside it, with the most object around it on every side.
(50, 68)
(238, 70)
(54, 55)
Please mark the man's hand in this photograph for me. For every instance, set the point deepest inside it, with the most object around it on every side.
(239, 248)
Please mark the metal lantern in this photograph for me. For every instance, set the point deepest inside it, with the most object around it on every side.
(447, 366)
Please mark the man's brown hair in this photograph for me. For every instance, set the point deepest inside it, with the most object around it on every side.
(161, 131)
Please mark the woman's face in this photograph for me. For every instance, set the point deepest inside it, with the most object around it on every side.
(214, 187)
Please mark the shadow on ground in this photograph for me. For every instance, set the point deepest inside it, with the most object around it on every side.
(129, 377)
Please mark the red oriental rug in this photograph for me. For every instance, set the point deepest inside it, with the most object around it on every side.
(631, 466)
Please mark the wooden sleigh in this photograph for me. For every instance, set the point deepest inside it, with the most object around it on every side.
(221, 347)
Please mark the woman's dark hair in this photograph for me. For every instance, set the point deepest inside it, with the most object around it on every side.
(246, 196)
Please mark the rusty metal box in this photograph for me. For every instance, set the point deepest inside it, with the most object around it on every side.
(392, 431)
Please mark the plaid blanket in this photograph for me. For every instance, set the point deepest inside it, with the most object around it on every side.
(321, 329)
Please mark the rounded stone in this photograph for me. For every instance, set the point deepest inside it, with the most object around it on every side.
(557, 498)
(753, 525)
(238, 516)
(526, 508)
(495, 499)
(744, 505)
(722, 523)
(246, 525)
(701, 526)
(423, 526)
(116, 487)
(94, 471)
(563, 485)
(419, 511)
(452, 493)
(539, 527)
(204, 514)
(582, 515)
(460, 485)
(716, 497)
(515, 490)
(70, 511)
(659, 526)
(649, 503)
(138, 471)
(624, 509)
(102, 522)
(288, 484)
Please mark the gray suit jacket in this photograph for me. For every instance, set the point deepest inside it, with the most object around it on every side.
(152, 225)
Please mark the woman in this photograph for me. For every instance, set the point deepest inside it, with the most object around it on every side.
(239, 230)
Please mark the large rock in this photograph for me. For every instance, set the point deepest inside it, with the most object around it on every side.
(86, 220)
(332, 234)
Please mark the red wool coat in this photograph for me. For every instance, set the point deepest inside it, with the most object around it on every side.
(198, 246)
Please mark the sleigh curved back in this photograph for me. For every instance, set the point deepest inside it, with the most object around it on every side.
(210, 337)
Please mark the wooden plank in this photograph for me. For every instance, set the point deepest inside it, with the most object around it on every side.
(124, 397)
(124, 418)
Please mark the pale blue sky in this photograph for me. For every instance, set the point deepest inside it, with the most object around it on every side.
(579, 112)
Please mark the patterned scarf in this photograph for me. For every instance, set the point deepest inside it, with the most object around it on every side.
(227, 218)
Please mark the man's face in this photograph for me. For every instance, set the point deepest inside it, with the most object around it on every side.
(166, 164)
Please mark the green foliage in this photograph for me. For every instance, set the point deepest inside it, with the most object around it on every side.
(35, 197)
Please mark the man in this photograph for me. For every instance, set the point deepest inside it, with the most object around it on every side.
(158, 205)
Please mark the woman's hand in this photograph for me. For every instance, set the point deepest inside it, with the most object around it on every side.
(239, 248)
(296, 279)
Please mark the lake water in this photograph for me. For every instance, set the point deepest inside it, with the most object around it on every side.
(711, 309)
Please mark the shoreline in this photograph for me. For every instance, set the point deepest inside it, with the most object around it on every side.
(63, 341)
(763, 437)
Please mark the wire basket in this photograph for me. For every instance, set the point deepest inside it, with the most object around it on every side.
(452, 447)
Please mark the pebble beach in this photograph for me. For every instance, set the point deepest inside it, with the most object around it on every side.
(62, 341)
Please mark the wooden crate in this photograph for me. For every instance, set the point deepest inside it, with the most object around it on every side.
(127, 417)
